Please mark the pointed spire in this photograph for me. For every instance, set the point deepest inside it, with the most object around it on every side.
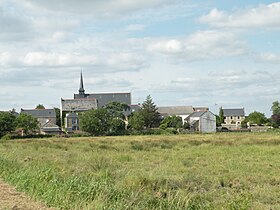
(81, 90)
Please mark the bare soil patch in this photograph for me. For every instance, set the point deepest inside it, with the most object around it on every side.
(11, 199)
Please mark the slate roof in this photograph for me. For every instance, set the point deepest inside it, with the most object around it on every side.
(105, 98)
(40, 113)
(50, 127)
(175, 110)
(197, 114)
(82, 104)
(234, 112)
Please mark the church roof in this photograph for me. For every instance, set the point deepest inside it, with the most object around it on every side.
(105, 98)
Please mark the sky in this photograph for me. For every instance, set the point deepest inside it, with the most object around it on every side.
(182, 52)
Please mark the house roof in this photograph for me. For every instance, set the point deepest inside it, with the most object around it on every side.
(234, 112)
(39, 113)
(175, 110)
(197, 114)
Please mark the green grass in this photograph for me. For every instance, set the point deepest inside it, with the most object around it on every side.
(219, 171)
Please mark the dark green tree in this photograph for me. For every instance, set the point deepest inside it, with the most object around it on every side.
(58, 118)
(117, 126)
(116, 109)
(275, 118)
(275, 108)
(27, 123)
(171, 122)
(136, 121)
(150, 113)
(7, 123)
(257, 118)
(40, 106)
(96, 121)
(221, 116)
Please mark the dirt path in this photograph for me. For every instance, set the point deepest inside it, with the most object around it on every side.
(10, 199)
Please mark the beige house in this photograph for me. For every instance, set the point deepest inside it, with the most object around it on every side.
(233, 118)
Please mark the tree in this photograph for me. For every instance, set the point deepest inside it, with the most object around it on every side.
(275, 108)
(221, 116)
(58, 118)
(150, 113)
(275, 118)
(7, 123)
(116, 109)
(27, 123)
(117, 126)
(96, 121)
(171, 122)
(257, 118)
(40, 106)
(137, 121)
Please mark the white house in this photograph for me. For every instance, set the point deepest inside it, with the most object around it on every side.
(202, 121)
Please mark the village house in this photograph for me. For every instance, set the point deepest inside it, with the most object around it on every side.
(233, 118)
(202, 121)
(46, 119)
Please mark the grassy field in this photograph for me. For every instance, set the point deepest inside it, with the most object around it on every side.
(219, 171)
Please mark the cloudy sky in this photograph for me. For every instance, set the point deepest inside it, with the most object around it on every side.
(183, 52)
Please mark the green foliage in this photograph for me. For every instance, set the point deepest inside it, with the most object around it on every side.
(117, 126)
(220, 120)
(7, 123)
(27, 123)
(116, 109)
(150, 113)
(40, 106)
(257, 118)
(137, 121)
(171, 122)
(58, 118)
(275, 108)
(95, 121)
(244, 123)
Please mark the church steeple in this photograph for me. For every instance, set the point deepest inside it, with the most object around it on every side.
(81, 90)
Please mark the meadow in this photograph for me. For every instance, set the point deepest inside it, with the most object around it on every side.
(210, 171)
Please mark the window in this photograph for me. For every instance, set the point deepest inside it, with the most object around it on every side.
(231, 117)
(238, 117)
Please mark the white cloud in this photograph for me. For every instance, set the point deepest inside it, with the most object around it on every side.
(108, 8)
(200, 45)
(263, 16)
(269, 57)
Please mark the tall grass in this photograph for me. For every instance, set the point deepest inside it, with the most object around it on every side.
(221, 171)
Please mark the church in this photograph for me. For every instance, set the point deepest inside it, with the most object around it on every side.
(71, 108)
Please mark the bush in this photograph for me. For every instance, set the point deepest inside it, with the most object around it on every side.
(6, 137)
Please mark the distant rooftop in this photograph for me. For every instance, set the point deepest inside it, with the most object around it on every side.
(39, 113)
(175, 110)
(234, 112)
